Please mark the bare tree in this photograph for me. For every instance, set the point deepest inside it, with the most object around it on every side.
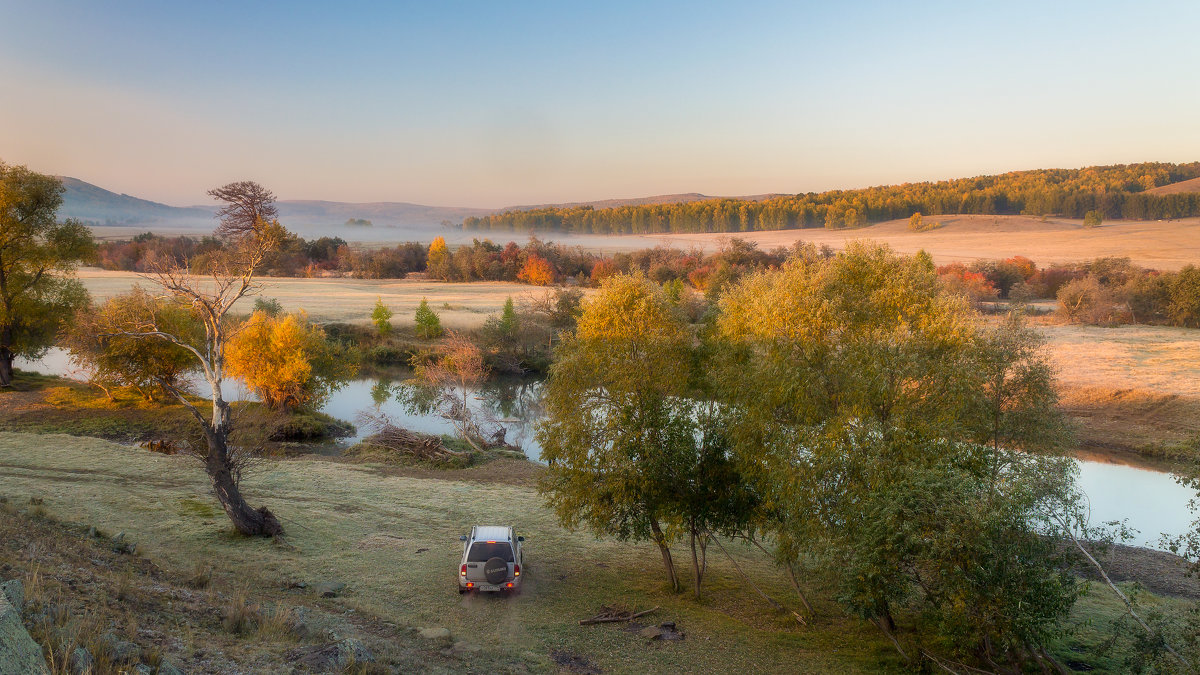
(247, 205)
(453, 375)
(211, 297)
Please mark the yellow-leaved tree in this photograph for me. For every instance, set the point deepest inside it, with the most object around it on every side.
(285, 361)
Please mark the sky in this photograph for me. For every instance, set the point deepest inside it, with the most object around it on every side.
(490, 104)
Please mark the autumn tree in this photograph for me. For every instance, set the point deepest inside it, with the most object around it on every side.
(113, 359)
(37, 257)
(381, 316)
(285, 361)
(429, 326)
(537, 271)
(437, 261)
(211, 297)
(617, 416)
(880, 425)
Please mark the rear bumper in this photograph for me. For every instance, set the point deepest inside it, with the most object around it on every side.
(510, 585)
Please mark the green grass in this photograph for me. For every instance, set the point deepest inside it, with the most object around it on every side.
(394, 540)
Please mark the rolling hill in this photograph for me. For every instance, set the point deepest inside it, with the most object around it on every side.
(1191, 185)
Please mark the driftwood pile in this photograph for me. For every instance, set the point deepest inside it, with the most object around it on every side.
(611, 615)
(402, 441)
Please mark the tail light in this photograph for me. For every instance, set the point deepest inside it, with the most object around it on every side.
(509, 584)
(470, 584)
(462, 571)
(516, 570)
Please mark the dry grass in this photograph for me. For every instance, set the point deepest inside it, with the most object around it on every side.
(351, 300)
(334, 511)
(963, 238)
(1158, 359)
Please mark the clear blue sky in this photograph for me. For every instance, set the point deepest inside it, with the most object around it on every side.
(499, 103)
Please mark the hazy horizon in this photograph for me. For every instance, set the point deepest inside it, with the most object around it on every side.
(487, 106)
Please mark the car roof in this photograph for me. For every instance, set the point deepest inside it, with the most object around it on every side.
(492, 533)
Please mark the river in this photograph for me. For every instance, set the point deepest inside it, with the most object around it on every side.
(1149, 500)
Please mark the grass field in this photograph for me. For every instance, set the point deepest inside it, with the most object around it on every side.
(459, 305)
(394, 540)
(1162, 245)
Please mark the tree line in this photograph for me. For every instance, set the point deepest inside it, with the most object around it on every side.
(1117, 191)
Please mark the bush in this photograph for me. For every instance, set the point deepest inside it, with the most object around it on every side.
(429, 326)
(1086, 300)
(1184, 307)
(1092, 219)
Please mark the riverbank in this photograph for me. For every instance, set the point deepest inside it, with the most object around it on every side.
(51, 404)
(389, 534)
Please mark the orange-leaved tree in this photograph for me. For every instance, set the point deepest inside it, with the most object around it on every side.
(537, 271)
(284, 360)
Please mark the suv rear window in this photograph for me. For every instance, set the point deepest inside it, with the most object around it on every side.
(483, 551)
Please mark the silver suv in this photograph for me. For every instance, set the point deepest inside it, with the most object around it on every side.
(491, 560)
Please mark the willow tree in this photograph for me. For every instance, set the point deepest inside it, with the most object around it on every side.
(37, 255)
(211, 297)
(880, 423)
(613, 428)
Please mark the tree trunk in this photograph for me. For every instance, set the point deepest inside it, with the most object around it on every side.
(661, 541)
(696, 573)
(6, 367)
(251, 522)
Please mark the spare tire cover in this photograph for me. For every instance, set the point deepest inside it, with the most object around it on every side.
(496, 570)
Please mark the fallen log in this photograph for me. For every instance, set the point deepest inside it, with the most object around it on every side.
(615, 618)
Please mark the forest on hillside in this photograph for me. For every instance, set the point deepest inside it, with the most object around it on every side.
(1117, 191)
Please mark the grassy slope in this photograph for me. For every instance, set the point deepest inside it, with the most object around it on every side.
(357, 524)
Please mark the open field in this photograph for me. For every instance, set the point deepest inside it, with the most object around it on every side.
(1166, 245)
(394, 540)
(1131, 390)
(1161, 359)
(352, 299)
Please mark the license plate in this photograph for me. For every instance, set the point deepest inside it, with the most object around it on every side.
(486, 587)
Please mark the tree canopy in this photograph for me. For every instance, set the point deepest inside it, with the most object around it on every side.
(1118, 191)
(37, 255)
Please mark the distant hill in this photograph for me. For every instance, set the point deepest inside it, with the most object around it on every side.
(684, 198)
(97, 206)
(1182, 186)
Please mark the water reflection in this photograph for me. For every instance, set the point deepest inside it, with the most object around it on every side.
(513, 404)
(1150, 500)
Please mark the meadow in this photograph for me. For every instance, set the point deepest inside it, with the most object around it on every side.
(459, 305)
(393, 539)
(1165, 245)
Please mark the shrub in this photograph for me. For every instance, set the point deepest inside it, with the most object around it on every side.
(429, 326)
(268, 306)
(1086, 300)
(1184, 308)
(1092, 219)
(381, 316)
